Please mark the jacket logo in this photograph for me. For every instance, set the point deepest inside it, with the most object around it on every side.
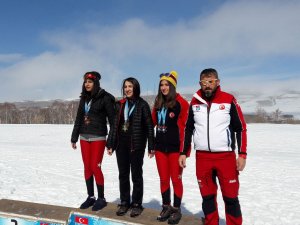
(222, 107)
(171, 115)
(197, 107)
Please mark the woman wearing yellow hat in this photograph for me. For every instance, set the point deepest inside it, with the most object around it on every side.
(169, 115)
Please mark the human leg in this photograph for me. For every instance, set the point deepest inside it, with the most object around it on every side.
(88, 174)
(123, 161)
(97, 151)
(136, 162)
(206, 177)
(176, 177)
(229, 183)
(164, 175)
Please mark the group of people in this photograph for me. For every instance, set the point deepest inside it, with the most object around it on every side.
(213, 118)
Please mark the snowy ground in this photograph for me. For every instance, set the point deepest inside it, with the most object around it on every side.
(38, 164)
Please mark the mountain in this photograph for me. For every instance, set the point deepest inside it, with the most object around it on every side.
(287, 103)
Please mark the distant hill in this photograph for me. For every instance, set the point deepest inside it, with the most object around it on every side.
(269, 108)
(287, 103)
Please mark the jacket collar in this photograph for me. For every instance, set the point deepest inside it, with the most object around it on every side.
(199, 95)
(123, 100)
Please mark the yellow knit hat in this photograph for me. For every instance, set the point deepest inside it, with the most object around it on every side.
(171, 77)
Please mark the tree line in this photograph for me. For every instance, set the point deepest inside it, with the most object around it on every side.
(64, 112)
(261, 116)
(59, 112)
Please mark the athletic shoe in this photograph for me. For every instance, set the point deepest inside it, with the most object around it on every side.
(123, 208)
(175, 216)
(99, 204)
(136, 210)
(88, 202)
(165, 213)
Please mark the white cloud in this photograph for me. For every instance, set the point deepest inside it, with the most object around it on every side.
(10, 58)
(238, 34)
(247, 29)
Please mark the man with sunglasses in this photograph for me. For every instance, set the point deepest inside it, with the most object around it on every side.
(218, 128)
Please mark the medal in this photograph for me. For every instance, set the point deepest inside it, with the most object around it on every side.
(86, 120)
(159, 128)
(161, 115)
(125, 126)
(87, 107)
(127, 114)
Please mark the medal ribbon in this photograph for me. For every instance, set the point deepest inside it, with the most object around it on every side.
(127, 113)
(87, 107)
(161, 115)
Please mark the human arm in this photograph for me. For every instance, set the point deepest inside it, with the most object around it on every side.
(113, 131)
(238, 124)
(182, 120)
(151, 154)
(78, 122)
(146, 116)
(154, 116)
(240, 163)
(110, 108)
(182, 161)
(109, 151)
(188, 132)
(73, 145)
(154, 120)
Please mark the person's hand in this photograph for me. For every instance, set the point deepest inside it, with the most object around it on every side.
(182, 161)
(240, 163)
(109, 151)
(151, 154)
(73, 145)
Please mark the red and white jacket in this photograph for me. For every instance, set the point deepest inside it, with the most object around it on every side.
(216, 124)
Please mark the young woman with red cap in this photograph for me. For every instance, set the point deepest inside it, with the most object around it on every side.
(95, 106)
(169, 114)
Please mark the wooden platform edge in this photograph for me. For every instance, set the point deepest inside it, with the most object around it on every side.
(61, 213)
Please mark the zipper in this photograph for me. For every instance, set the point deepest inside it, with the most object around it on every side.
(208, 111)
(131, 142)
(228, 138)
(165, 141)
(118, 126)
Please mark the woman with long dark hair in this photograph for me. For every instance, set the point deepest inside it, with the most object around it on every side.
(133, 127)
(95, 106)
(169, 115)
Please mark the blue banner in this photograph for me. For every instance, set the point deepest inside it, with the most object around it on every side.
(84, 219)
(24, 221)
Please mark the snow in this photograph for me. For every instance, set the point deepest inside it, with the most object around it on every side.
(37, 164)
(287, 103)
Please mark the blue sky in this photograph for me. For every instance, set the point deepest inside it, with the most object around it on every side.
(46, 46)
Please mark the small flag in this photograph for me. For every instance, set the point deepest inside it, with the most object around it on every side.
(81, 220)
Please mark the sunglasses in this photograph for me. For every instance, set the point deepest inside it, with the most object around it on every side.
(90, 76)
(208, 82)
(168, 75)
(164, 75)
